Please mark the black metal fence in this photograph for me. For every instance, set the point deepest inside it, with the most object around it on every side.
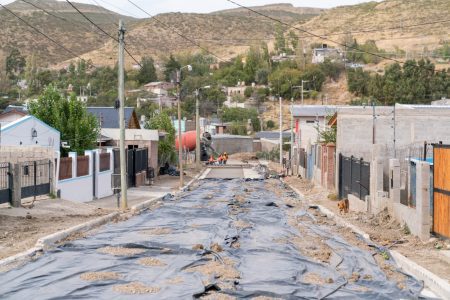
(354, 177)
(35, 178)
(137, 162)
(5, 183)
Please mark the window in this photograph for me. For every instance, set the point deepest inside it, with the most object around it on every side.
(310, 122)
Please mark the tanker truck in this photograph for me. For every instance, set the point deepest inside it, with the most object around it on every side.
(188, 142)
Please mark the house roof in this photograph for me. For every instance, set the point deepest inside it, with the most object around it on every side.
(132, 134)
(110, 115)
(313, 110)
(15, 108)
(23, 120)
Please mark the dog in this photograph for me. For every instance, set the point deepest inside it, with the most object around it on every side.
(343, 206)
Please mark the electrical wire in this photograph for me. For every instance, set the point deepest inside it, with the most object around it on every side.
(102, 30)
(177, 32)
(40, 32)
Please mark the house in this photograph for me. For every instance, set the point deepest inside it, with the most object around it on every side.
(109, 117)
(29, 131)
(307, 119)
(320, 54)
(12, 113)
(135, 138)
(159, 88)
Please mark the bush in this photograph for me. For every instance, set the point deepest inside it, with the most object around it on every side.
(270, 124)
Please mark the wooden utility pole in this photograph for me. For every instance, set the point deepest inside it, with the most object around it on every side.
(197, 129)
(123, 175)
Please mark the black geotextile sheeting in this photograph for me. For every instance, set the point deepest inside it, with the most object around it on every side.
(266, 267)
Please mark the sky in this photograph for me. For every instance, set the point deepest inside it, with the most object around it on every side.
(199, 6)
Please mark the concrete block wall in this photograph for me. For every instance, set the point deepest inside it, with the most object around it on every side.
(13, 154)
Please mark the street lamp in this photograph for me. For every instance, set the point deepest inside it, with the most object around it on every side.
(180, 139)
(197, 125)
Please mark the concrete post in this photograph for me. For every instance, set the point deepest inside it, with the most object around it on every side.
(73, 155)
(394, 180)
(16, 188)
(423, 199)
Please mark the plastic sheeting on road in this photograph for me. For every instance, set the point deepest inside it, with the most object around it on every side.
(208, 215)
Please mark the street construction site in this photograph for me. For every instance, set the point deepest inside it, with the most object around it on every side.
(236, 231)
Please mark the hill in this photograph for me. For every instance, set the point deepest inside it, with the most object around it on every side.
(286, 12)
(64, 24)
(375, 20)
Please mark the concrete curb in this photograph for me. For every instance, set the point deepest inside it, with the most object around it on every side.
(19, 257)
(146, 204)
(437, 285)
(431, 280)
(50, 240)
(200, 175)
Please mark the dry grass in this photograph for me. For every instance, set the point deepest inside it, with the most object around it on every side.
(151, 262)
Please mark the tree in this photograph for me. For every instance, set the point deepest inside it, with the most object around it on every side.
(248, 91)
(147, 73)
(69, 116)
(293, 39)
(15, 64)
(242, 115)
(170, 68)
(166, 147)
(280, 41)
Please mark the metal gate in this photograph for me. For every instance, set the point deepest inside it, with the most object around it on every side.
(35, 178)
(5, 183)
(354, 177)
(441, 188)
(137, 162)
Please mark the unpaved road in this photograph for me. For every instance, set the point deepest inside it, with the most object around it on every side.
(224, 239)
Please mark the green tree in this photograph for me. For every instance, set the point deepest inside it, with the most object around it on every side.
(69, 117)
(15, 64)
(147, 73)
(170, 68)
(248, 91)
(242, 115)
(280, 40)
(166, 147)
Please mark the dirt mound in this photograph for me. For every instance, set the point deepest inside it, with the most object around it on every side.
(156, 231)
(120, 251)
(135, 288)
(99, 276)
(151, 262)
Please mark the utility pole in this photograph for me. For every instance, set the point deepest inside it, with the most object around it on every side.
(180, 138)
(292, 131)
(281, 132)
(197, 129)
(303, 89)
(123, 176)
(373, 123)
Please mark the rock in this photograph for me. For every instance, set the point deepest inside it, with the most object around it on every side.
(330, 280)
(28, 216)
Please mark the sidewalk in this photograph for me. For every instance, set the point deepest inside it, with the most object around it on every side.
(20, 228)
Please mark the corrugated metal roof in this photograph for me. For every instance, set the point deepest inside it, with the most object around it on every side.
(110, 115)
(313, 110)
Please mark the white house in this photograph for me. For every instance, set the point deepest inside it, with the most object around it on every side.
(29, 131)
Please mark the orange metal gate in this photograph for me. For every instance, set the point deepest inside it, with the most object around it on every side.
(441, 216)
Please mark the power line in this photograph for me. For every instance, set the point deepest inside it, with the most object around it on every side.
(101, 29)
(177, 33)
(40, 32)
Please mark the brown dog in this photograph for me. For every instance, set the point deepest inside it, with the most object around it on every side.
(343, 206)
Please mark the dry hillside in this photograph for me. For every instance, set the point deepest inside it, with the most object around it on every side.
(285, 12)
(373, 18)
(64, 25)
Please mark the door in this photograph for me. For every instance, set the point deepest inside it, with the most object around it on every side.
(441, 209)
(5, 183)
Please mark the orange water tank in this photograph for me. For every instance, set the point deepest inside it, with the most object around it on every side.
(188, 140)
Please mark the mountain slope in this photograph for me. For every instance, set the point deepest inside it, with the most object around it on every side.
(68, 28)
(377, 16)
(285, 12)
